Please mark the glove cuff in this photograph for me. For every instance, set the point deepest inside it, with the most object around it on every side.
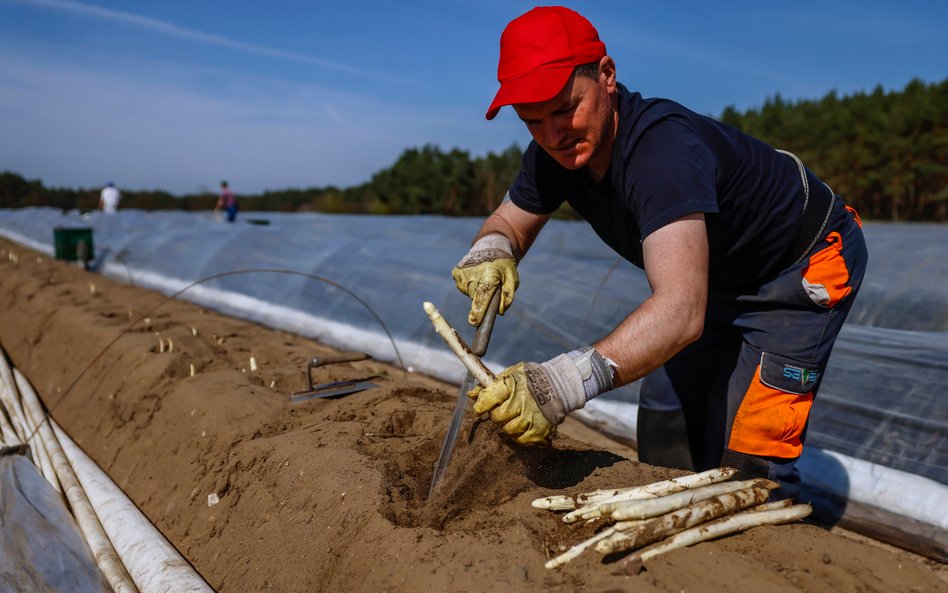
(565, 383)
(596, 370)
(490, 247)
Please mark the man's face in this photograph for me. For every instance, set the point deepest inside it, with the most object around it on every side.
(577, 126)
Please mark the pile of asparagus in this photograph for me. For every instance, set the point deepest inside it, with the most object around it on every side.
(674, 513)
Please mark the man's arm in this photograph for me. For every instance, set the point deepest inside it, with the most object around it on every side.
(519, 226)
(491, 263)
(676, 263)
(528, 400)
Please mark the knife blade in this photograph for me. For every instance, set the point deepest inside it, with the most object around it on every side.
(478, 347)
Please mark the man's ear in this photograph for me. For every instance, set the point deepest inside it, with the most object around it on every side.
(607, 69)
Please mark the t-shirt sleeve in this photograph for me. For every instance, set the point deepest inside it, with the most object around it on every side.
(674, 174)
(534, 188)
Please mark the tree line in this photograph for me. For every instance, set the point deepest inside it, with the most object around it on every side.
(885, 152)
(426, 180)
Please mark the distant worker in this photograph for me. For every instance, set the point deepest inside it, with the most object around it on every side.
(227, 202)
(752, 260)
(109, 198)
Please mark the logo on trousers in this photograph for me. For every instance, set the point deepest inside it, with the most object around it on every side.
(803, 376)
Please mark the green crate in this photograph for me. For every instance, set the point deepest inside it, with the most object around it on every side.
(74, 244)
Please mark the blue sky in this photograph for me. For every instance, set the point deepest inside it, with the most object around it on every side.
(177, 95)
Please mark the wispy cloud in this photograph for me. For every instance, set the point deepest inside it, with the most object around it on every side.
(78, 123)
(173, 30)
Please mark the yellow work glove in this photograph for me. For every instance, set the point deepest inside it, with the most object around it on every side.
(528, 400)
(489, 265)
(513, 406)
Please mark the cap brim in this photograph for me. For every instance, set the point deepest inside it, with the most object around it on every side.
(535, 87)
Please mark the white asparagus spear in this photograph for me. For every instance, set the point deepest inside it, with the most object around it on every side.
(772, 506)
(470, 361)
(556, 502)
(579, 548)
(717, 528)
(682, 519)
(597, 509)
(582, 546)
(566, 503)
(643, 509)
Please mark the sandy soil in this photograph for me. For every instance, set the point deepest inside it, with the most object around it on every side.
(330, 495)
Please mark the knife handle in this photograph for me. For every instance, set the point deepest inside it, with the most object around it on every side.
(482, 335)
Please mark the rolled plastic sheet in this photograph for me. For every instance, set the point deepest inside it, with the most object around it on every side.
(106, 558)
(8, 435)
(41, 548)
(106, 516)
(154, 564)
(10, 400)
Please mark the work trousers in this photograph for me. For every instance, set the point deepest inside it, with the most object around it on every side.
(741, 394)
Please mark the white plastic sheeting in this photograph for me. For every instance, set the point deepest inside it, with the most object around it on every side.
(108, 561)
(882, 398)
(42, 549)
(154, 564)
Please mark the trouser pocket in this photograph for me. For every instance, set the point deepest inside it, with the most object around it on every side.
(773, 412)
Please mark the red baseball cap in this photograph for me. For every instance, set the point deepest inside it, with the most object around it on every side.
(538, 52)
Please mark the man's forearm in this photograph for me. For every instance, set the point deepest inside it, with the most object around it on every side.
(520, 227)
(497, 224)
(676, 263)
(650, 335)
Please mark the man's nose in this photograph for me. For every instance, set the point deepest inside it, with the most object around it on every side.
(553, 132)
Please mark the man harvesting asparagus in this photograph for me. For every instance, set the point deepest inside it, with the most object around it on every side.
(753, 261)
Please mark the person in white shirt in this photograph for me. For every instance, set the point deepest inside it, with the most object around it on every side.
(109, 198)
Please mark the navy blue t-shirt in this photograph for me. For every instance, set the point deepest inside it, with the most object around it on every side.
(668, 162)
